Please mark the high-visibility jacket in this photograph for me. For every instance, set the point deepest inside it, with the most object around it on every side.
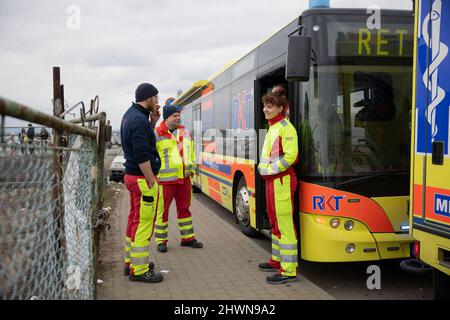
(279, 154)
(280, 150)
(176, 150)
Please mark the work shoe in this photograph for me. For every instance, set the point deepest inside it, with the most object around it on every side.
(127, 269)
(278, 278)
(193, 244)
(149, 277)
(162, 247)
(267, 267)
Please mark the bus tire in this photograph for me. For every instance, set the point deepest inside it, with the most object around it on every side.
(241, 208)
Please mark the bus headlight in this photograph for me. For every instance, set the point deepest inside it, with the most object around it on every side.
(335, 223)
(349, 225)
(350, 248)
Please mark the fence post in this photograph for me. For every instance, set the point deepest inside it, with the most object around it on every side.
(99, 192)
(57, 193)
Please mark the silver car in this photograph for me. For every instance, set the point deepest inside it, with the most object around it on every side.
(117, 168)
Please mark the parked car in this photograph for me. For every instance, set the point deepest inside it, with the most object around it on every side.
(117, 168)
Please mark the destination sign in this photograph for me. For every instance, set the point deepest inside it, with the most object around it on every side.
(350, 39)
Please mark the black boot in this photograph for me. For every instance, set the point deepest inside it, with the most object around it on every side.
(162, 247)
(148, 277)
(266, 267)
(278, 278)
(193, 244)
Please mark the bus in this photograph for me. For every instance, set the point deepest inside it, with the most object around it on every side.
(352, 114)
(430, 165)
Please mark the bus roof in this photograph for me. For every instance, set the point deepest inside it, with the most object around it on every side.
(309, 12)
(196, 87)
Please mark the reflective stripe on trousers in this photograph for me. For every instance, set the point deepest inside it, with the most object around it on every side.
(182, 193)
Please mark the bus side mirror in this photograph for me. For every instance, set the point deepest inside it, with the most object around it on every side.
(298, 58)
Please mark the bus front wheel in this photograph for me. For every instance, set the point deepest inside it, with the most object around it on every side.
(242, 209)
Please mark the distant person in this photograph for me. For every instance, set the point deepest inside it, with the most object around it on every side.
(176, 147)
(30, 135)
(12, 143)
(22, 142)
(44, 137)
(141, 168)
(276, 167)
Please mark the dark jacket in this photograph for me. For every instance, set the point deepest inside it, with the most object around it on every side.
(30, 133)
(44, 134)
(138, 141)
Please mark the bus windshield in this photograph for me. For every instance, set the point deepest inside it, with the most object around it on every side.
(355, 121)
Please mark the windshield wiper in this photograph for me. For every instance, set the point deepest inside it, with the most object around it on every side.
(370, 176)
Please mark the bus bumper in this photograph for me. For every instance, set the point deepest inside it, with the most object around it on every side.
(322, 243)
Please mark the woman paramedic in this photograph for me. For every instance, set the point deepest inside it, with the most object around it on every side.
(279, 155)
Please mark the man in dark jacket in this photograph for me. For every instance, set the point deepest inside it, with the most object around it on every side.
(30, 134)
(141, 168)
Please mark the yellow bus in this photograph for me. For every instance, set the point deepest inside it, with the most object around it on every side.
(352, 113)
(430, 165)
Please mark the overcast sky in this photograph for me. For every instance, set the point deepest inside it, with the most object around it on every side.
(119, 44)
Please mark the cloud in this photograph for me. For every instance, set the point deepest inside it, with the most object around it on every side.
(120, 44)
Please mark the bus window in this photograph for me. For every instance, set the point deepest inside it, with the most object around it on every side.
(359, 125)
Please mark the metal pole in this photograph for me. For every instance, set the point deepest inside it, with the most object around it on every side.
(95, 117)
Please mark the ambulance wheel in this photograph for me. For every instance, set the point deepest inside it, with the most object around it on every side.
(242, 209)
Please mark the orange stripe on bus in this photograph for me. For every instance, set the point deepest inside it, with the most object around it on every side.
(315, 199)
(214, 184)
(430, 195)
(215, 196)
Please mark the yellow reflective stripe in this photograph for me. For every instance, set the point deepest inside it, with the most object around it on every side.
(184, 219)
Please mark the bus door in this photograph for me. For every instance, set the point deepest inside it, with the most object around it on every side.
(264, 85)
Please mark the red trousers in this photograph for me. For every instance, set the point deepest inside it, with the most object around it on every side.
(182, 193)
(141, 220)
(280, 194)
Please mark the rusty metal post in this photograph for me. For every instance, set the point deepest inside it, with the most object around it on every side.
(3, 129)
(57, 193)
(98, 205)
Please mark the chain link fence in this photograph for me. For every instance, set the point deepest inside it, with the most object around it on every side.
(50, 198)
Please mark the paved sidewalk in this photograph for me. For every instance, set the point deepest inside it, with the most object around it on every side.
(226, 267)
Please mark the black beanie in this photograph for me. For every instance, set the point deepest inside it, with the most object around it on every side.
(169, 110)
(145, 91)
